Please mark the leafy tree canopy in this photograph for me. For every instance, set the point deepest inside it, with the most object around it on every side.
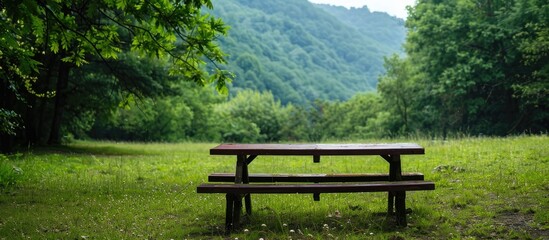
(43, 41)
(480, 65)
(77, 29)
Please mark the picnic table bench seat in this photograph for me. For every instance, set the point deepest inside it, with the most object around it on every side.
(314, 178)
(234, 192)
(316, 187)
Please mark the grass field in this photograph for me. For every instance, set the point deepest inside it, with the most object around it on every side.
(495, 188)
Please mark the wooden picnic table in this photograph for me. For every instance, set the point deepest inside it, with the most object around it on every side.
(247, 153)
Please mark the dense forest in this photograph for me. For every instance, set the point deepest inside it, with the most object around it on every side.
(294, 71)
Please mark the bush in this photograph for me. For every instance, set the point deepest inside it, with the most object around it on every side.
(251, 117)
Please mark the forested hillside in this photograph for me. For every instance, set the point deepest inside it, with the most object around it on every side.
(302, 52)
(388, 32)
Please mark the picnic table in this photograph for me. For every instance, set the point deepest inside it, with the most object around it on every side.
(244, 184)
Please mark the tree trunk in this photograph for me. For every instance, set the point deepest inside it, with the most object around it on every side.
(6, 140)
(30, 121)
(45, 104)
(60, 102)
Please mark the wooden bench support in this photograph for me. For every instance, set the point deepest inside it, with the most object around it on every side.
(316, 197)
(316, 158)
(235, 192)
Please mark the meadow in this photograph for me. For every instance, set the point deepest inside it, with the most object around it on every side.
(496, 188)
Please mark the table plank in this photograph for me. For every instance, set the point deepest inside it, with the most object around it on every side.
(318, 149)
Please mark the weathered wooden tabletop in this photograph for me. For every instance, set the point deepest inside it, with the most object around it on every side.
(318, 149)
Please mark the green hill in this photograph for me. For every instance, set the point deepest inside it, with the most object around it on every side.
(387, 31)
(302, 52)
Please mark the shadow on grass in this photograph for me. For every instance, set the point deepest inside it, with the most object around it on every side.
(90, 150)
(266, 223)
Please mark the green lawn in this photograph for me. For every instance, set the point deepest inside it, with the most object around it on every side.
(485, 188)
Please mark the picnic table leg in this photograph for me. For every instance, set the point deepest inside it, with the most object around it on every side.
(400, 204)
(241, 176)
(240, 163)
(247, 197)
(229, 212)
(236, 211)
(397, 199)
(391, 203)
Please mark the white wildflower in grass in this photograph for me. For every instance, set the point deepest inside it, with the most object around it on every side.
(284, 225)
(264, 225)
(292, 231)
(261, 239)
(371, 233)
(246, 231)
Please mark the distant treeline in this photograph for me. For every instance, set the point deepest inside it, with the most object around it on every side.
(250, 116)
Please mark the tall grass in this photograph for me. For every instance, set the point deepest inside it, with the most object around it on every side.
(486, 188)
(9, 174)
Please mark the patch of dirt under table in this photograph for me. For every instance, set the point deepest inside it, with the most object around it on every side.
(521, 222)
